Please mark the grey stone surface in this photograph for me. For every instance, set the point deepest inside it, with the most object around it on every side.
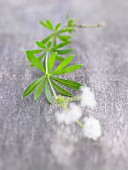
(30, 139)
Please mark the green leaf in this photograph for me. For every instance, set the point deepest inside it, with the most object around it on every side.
(59, 58)
(41, 57)
(43, 24)
(45, 40)
(35, 51)
(34, 61)
(49, 24)
(71, 23)
(49, 44)
(40, 44)
(51, 61)
(69, 69)
(61, 45)
(61, 90)
(64, 51)
(39, 90)
(64, 37)
(47, 92)
(65, 30)
(32, 86)
(63, 64)
(68, 83)
(57, 26)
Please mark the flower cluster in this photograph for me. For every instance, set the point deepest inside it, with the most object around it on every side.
(69, 116)
(90, 127)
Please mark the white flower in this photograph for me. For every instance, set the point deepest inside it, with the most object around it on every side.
(88, 98)
(92, 128)
(69, 116)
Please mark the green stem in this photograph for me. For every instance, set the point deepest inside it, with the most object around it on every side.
(81, 125)
(46, 63)
(52, 88)
(90, 25)
(54, 41)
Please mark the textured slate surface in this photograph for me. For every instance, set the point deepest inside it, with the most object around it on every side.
(30, 139)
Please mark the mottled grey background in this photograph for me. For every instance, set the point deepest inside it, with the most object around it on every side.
(30, 139)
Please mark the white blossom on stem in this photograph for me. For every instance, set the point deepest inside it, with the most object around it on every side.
(69, 116)
(92, 128)
(88, 98)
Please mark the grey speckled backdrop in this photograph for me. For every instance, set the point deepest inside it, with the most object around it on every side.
(30, 139)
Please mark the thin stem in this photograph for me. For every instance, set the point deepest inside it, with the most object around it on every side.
(52, 88)
(81, 125)
(46, 63)
(54, 42)
(74, 98)
(90, 25)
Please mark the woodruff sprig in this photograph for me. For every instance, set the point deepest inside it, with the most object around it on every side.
(50, 49)
(49, 79)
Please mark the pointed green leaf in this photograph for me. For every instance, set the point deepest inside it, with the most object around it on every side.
(32, 86)
(47, 92)
(71, 22)
(64, 37)
(63, 64)
(59, 58)
(41, 57)
(34, 61)
(57, 26)
(35, 51)
(65, 30)
(45, 40)
(43, 24)
(64, 51)
(61, 90)
(69, 69)
(49, 24)
(68, 83)
(51, 61)
(61, 45)
(39, 90)
(40, 44)
(49, 44)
